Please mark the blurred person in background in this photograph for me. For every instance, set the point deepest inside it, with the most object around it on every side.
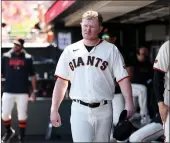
(142, 74)
(17, 67)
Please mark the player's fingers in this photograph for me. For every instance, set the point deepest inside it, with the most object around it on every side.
(164, 116)
(129, 114)
(163, 119)
(31, 99)
(55, 123)
(34, 98)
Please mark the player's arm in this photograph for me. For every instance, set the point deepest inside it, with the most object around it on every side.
(159, 90)
(126, 90)
(34, 83)
(31, 71)
(123, 80)
(161, 66)
(32, 74)
(159, 85)
(62, 72)
(58, 93)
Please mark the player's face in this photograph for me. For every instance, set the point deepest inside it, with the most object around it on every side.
(143, 54)
(143, 51)
(17, 48)
(90, 28)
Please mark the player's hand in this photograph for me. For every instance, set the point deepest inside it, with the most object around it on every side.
(163, 110)
(32, 97)
(130, 110)
(55, 118)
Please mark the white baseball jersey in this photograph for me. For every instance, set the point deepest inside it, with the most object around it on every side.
(162, 62)
(91, 73)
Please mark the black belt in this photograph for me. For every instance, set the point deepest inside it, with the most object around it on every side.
(91, 105)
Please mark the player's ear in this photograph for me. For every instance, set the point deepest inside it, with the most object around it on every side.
(80, 23)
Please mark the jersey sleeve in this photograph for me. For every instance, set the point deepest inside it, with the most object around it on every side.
(119, 68)
(161, 62)
(62, 68)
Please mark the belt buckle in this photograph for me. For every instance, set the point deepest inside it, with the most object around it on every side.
(102, 103)
(91, 105)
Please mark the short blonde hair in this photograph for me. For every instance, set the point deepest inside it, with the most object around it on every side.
(93, 14)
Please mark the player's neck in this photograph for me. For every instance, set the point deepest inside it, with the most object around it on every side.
(91, 42)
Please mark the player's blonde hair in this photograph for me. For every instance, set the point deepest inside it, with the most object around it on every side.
(90, 14)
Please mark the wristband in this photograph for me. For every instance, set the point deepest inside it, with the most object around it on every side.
(35, 90)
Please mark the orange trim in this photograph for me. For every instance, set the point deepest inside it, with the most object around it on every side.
(123, 78)
(61, 77)
(7, 121)
(22, 125)
(99, 42)
(151, 135)
(158, 69)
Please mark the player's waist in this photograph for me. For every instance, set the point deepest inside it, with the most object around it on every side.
(91, 97)
(91, 105)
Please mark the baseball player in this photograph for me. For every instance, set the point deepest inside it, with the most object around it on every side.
(161, 85)
(152, 131)
(142, 73)
(17, 66)
(149, 132)
(91, 65)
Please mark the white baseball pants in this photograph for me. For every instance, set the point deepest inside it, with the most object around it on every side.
(147, 133)
(8, 101)
(91, 124)
(118, 105)
(166, 125)
(140, 91)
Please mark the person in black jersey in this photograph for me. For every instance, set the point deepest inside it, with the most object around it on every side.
(142, 74)
(17, 67)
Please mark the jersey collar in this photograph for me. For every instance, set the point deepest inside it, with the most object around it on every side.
(99, 42)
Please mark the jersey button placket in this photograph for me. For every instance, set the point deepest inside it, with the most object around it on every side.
(89, 77)
(89, 82)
